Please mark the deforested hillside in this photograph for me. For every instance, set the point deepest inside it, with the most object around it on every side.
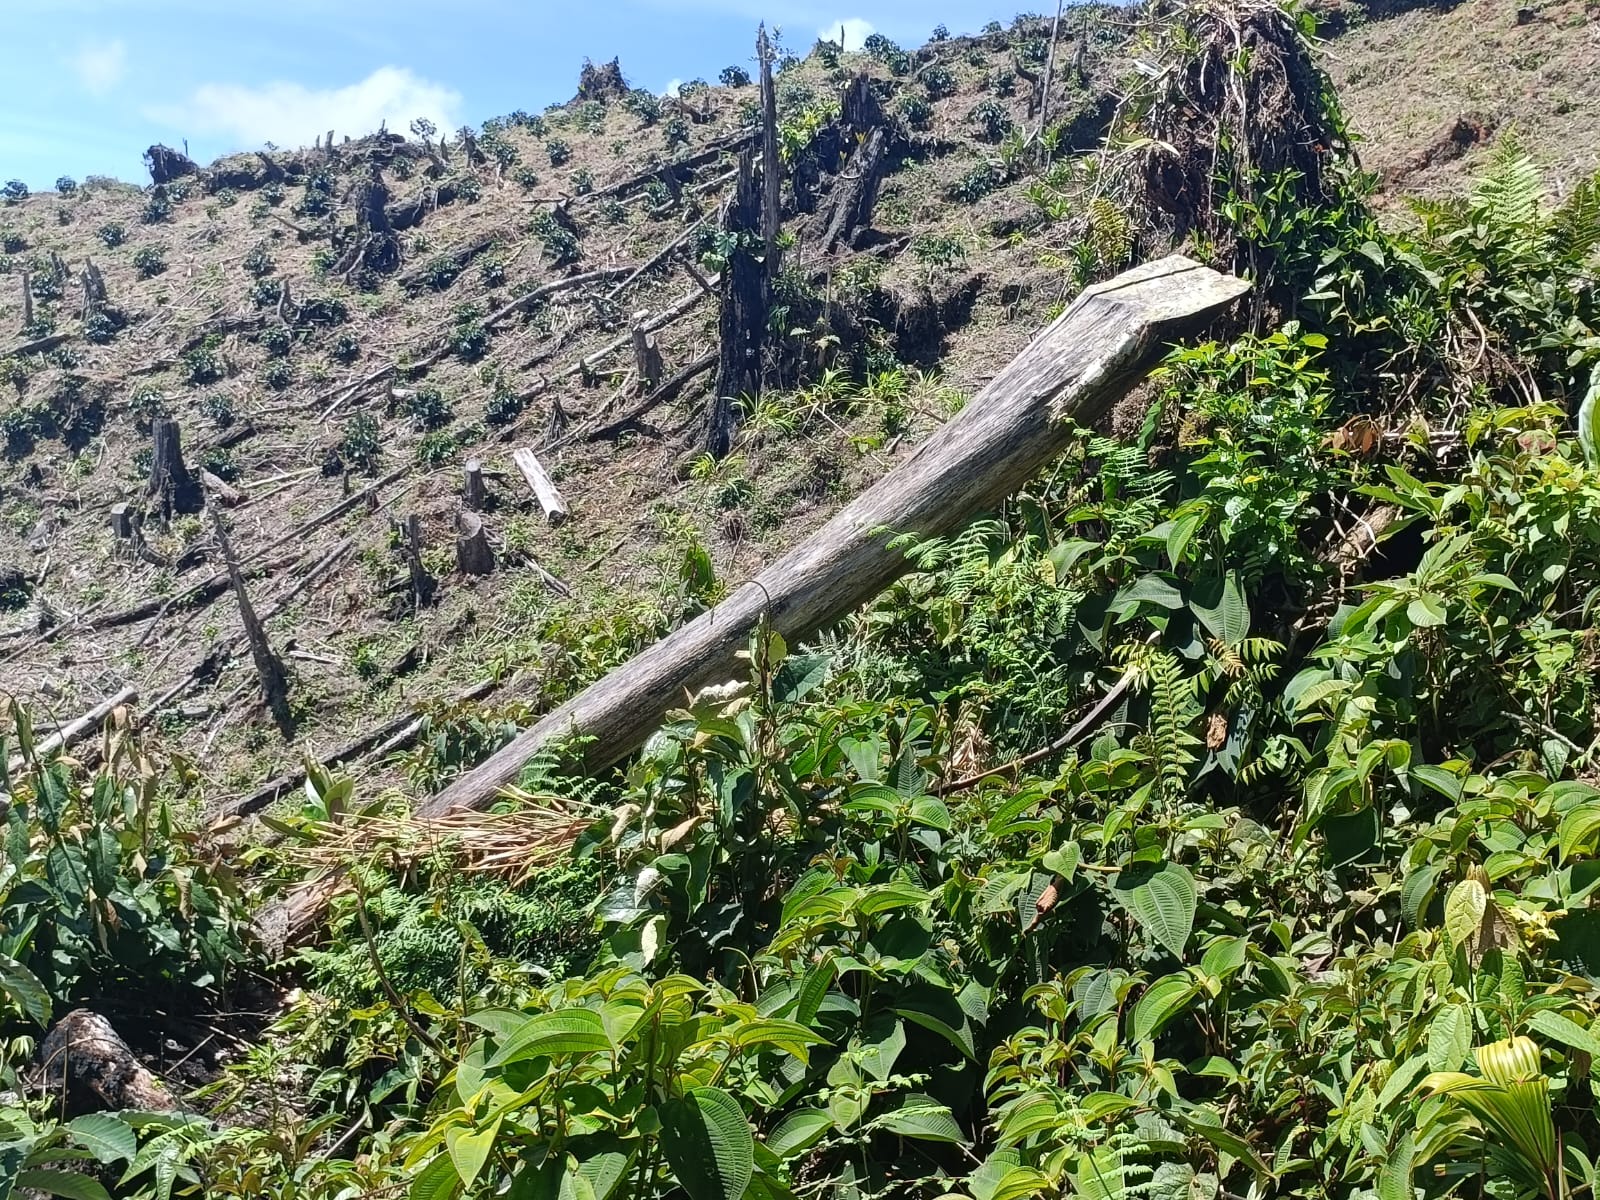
(337, 331)
(994, 621)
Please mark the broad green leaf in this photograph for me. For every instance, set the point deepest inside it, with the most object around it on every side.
(569, 1031)
(1349, 837)
(1229, 619)
(1427, 610)
(1577, 829)
(1226, 1141)
(1148, 589)
(1463, 911)
(1161, 1001)
(1566, 1031)
(925, 1119)
(799, 675)
(63, 1183)
(1163, 900)
(1417, 892)
(23, 986)
(1449, 1038)
(603, 1170)
(436, 1181)
(1225, 957)
(932, 812)
(1446, 783)
(108, 1138)
(1021, 1183)
(470, 1149)
(1394, 1177)
(1180, 533)
(799, 1130)
(815, 986)
(708, 1142)
(1589, 419)
(788, 1036)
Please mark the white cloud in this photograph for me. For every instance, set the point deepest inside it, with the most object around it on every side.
(100, 67)
(856, 31)
(291, 114)
(673, 87)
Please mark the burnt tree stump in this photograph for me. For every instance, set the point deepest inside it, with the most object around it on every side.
(172, 487)
(743, 325)
(474, 556)
(88, 1068)
(474, 493)
(124, 521)
(646, 353)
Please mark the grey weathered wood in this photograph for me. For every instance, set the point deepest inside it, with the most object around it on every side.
(473, 492)
(76, 730)
(422, 584)
(269, 667)
(646, 354)
(225, 492)
(771, 212)
(544, 488)
(1092, 355)
(473, 553)
(27, 300)
(124, 521)
(1076, 369)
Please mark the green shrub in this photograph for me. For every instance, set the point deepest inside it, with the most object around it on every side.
(220, 462)
(582, 181)
(14, 192)
(203, 364)
(112, 234)
(265, 293)
(318, 197)
(560, 243)
(44, 283)
(939, 81)
(426, 407)
(259, 262)
(66, 185)
(916, 111)
(675, 132)
(992, 120)
(560, 153)
(492, 270)
(359, 447)
(12, 241)
(982, 179)
(149, 261)
(218, 408)
(277, 341)
(101, 327)
(525, 178)
(734, 77)
(346, 348)
(157, 208)
(504, 407)
(278, 374)
(436, 449)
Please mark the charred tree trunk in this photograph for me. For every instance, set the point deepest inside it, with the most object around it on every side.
(473, 492)
(88, 1068)
(27, 301)
(269, 667)
(744, 311)
(646, 353)
(423, 585)
(172, 489)
(473, 553)
(771, 210)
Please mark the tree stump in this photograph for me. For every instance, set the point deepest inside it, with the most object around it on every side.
(474, 494)
(88, 1068)
(172, 487)
(410, 537)
(125, 521)
(743, 326)
(646, 354)
(473, 553)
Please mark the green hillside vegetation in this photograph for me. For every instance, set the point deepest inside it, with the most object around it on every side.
(1219, 818)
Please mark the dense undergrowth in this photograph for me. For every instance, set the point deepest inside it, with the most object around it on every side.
(1219, 819)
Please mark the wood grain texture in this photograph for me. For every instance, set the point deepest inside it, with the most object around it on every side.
(1091, 356)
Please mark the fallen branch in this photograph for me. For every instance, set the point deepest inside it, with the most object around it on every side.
(668, 389)
(1087, 360)
(75, 731)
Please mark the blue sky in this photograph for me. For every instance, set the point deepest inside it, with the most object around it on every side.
(91, 83)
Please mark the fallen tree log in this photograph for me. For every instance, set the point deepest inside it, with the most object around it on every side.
(1076, 369)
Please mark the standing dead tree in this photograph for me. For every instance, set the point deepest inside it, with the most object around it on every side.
(862, 138)
(751, 220)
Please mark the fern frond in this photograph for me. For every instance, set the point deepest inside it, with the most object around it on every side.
(1575, 226)
(1510, 193)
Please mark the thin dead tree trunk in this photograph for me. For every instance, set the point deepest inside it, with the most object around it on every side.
(269, 667)
(770, 211)
(1049, 71)
(743, 321)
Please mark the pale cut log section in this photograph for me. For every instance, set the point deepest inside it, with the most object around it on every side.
(1083, 363)
(544, 488)
(1076, 369)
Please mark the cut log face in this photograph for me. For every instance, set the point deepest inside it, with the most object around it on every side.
(544, 488)
(88, 1068)
(474, 556)
(124, 521)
